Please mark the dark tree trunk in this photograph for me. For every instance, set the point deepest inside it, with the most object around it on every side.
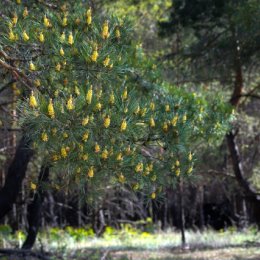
(182, 214)
(35, 209)
(15, 176)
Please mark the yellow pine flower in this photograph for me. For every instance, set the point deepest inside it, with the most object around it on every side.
(190, 169)
(85, 136)
(33, 186)
(91, 172)
(70, 104)
(136, 186)
(18, 2)
(64, 21)
(77, 21)
(32, 101)
(51, 112)
(184, 118)
(58, 67)
(25, 36)
(55, 157)
(111, 66)
(152, 123)
(119, 157)
(81, 147)
(165, 127)
(98, 106)
(106, 61)
(177, 163)
(63, 152)
(54, 131)
(112, 99)
(65, 135)
(25, 12)
(97, 148)
(85, 121)
(61, 52)
(190, 156)
(85, 157)
(152, 106)
(121, 178)
(46, 22)
(70, 39)
(128, 150)
(178, 172)
(105, 33)
(62, 37)
(117, 33)
(139, 167)
(107, 121)
(41, 37)
(44, 137)
(12, 35)
(76, 90)
(104, 154)
(123, 125)
(154, 178)
(94, 55)
(15, 19)
(153, 195)
(89, 16)
(167, 108)
(89, 95)
(175, 120)
(32, 66)
(37, 83)
(124, 96)
(137, 110)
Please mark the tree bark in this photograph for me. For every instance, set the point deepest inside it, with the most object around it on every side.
(15, 175)
(35, 209)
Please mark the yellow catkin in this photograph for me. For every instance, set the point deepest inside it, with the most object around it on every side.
(106, 61)
(152, 106)
(165, 127)
(105, 29)
(63, 152)
(94, 55)
(46, 22)
(190, 169)
(32, 101)
(89, 16)
(32, 66)
(14, 19)
(91, 172)
(153, 195)
(98, 106)
(117, 33)
(33, 186)
(25, 12)
(89, 95)
(25, 36)
(112, 99)
(104, 154)
(51, 112)
(64, 21)
(121, 178)
(62, 37)
(124, 96)
(58, 67)
(177, 163)
(139, 167)
(152, 122)
(167, 108)
(107, 121)
(123, 126)
(70, 103)
(174, 120)
(61, 52)
(85, 121)
(44, 137)
(190, 156)
(184, 118)
(41, 37)
(85, 136)
(178, 172)
(70, 39)
(119, 157)
(97, 148)
(12, 36)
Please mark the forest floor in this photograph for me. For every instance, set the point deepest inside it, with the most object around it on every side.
(130, 243)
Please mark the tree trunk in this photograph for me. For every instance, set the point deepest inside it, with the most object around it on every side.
(35, 209)
(15, 176)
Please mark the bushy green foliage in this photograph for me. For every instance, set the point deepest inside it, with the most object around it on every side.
(97, 111)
